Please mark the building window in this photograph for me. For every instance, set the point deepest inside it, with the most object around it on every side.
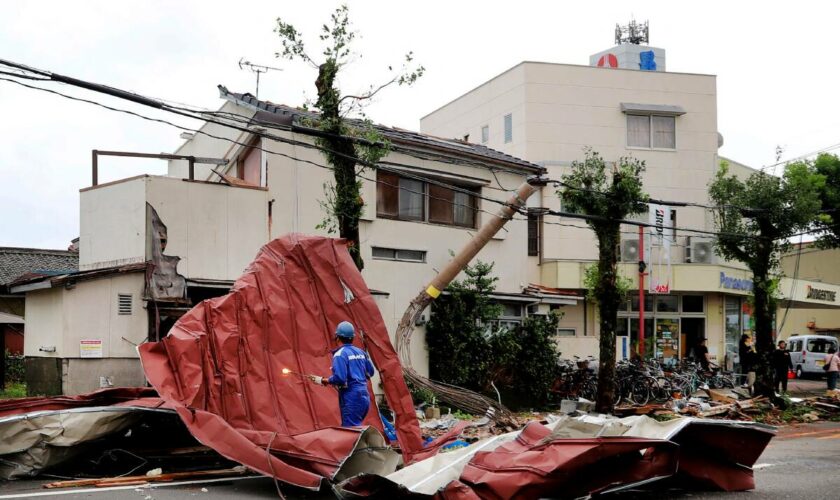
(651, 131)
(667, 303)
(485, 134)
(249, 163)
(508, 128)
(399, 254)
(511, 316)
(569, 332)
(692, 303)
(411, 199)
(124, 303)
(533, 234)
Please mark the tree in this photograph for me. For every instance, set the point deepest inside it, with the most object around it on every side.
(347, 145)
(607, 195)
(755, 217)
(468, 348)
(828, 166)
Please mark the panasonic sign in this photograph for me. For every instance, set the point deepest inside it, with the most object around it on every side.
(735, 283)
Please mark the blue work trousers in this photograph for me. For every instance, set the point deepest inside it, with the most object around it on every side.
(354, 403)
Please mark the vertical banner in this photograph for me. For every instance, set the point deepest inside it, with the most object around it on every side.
(659, 241)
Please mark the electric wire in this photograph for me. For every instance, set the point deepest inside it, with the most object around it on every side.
(397, 171)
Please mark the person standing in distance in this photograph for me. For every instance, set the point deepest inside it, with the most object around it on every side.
(351, 369)
(782, 364)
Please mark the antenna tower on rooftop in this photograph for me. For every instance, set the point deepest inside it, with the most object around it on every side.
(257, 69)
(633, 33)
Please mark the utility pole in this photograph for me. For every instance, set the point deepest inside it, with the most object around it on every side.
(642, 268)
(257, 69)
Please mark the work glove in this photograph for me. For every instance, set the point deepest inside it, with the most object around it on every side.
(318, 380)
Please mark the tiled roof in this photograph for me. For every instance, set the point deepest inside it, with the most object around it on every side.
(15, 262)
(290, 116)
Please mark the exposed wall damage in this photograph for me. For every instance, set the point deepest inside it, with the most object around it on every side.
(164, 282)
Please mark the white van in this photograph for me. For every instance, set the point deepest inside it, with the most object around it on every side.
(807, 352)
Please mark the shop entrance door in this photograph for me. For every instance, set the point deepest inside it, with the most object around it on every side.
(692, 330)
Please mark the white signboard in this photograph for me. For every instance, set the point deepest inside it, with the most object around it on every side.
(90, 348)
(659, 249)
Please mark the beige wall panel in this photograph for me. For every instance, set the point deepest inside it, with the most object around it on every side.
(44, 323)
(112, 224)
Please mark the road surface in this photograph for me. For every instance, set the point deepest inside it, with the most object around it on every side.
(802, 462)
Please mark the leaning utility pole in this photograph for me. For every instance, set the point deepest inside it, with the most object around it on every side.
(459, 397)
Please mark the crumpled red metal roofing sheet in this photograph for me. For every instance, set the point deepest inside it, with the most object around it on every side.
(535, 465)
(125, 396)
(532, 467)
(221, 365)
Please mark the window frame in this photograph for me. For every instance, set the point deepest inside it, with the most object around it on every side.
(385, 189)
(485, 134)
(649, 117)
(396, 253)
(566, 328)
(507, 121)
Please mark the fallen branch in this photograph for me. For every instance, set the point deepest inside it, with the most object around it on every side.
(131, 480)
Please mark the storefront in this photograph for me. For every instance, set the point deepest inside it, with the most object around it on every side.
(673, 324)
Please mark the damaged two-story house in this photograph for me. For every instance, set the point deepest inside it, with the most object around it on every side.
(151, 247)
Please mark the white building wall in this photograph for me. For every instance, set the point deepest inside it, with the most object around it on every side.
(216, 229)
(566, 108)
(62, 317)
(112, 224)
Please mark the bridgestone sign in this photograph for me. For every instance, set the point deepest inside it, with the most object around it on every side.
(820, 294)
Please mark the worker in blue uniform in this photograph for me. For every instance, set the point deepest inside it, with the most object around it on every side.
(351, 369)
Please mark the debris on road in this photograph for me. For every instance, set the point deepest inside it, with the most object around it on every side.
(228, 385)
(155, 475)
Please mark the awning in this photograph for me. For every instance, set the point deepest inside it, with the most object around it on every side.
(651, 109)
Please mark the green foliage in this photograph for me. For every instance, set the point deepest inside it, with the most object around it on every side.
(15, 370)
(754, 218)
(536, 361)
(420, 394)
(468, 350)
(13, 390)
(828, 166)
(591, 278)
(607, 194)
(460, 328)
(348, 146)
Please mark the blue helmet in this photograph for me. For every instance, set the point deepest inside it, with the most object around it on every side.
(345, 330)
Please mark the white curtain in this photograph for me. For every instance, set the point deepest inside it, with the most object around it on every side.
(411, 199)
(663, 132)
(638, 131)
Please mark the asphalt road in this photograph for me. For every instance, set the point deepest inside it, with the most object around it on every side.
(802, 462)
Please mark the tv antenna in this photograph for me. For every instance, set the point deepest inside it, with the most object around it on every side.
(634, 33)
(257, 69)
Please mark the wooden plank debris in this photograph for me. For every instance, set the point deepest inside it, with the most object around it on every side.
(131, 480)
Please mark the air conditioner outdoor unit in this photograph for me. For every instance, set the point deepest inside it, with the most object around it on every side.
(630, 250)
(700, 251)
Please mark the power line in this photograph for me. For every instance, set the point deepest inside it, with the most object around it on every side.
(146, 101)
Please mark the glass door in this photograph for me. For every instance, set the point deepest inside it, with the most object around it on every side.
(668, 339)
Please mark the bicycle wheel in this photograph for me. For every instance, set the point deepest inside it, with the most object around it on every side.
(662, 389)
(588, 390)
(640, 392)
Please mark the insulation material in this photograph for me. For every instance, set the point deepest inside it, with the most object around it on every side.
(221, 366)
(33, 441)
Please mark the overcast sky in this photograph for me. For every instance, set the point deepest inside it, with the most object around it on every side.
(776, 65)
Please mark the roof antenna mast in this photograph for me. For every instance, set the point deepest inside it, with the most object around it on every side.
(257, 69)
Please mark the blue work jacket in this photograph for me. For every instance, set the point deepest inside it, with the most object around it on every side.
(351, 368)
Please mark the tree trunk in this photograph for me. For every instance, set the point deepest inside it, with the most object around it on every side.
(765, 373)
(609, 300)
(348, 204)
